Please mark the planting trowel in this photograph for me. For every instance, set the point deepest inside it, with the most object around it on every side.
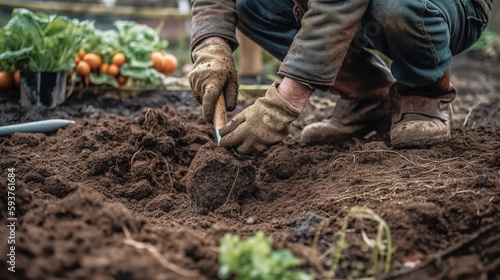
(220, 118)
(38, 126)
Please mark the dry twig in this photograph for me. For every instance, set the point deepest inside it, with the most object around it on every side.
(163, 261)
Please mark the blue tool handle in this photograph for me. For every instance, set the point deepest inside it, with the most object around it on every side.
(38, 126)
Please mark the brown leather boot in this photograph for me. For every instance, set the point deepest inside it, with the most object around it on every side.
(421, 116)
(363, 83)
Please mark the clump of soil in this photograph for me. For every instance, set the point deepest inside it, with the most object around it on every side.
(217, 177)
(280, 164)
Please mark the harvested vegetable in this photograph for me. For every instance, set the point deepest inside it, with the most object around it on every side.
(157, 58)
(82, 53)
(119, 59)
(40, 42)
(104, 68)
(128, 51)
(83, 68)
(104, 43)
(94, 60)
(5, 80)
(113, 70)
(17, 78)
(169, 64)
(122, 80)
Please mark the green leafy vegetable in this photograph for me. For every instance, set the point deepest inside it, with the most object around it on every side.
(254, 259)
(103, 79)
(40, 42)
(8, 58)
(104, 43)
(136, 42)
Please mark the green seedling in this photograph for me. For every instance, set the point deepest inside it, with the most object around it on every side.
(381, 250)
(254, 259)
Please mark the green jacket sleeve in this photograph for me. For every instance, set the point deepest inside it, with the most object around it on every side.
(320, 46)
(214, 18)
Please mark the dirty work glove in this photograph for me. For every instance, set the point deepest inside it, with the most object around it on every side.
(213, 73)
(264, 124)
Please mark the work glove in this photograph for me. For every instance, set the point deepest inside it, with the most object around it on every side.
(264, 124)
(213, 73)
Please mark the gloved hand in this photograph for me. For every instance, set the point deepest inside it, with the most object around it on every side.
(213, 73)
(264, 124)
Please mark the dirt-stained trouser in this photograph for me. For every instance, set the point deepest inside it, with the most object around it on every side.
(322, 46)
(420, 36)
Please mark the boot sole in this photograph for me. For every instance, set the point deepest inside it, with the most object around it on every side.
(414, 143)
(381, 129)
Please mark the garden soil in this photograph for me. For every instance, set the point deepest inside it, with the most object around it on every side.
(108, 197)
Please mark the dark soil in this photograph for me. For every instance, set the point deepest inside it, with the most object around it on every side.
(110, 197)
(217, 177)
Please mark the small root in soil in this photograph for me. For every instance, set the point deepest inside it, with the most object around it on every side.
(161, 259)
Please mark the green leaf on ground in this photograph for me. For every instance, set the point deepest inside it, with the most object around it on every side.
(254, 259)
